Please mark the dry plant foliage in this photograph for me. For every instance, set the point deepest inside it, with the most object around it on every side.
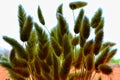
(51, 56)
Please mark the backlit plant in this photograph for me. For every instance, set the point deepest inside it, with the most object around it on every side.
(52, 56)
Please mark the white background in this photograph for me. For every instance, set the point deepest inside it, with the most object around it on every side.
(9, 16)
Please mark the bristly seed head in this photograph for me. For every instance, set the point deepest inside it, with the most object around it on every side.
(105, 69)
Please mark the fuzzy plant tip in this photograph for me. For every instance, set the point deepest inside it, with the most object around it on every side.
(105, 69)
(57, 55)
(77, 4)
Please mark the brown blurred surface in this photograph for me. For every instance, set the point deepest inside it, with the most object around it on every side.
(3, 74)
(114, 76)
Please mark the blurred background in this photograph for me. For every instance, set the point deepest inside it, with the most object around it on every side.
(9, 17)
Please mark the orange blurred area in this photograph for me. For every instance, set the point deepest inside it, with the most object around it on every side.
(4, 74)
(114, 76)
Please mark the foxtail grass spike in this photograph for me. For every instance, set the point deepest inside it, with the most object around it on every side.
(16, 62)
(20, 51)
(105, 69)
(97, 46)
(78, 22)
(98, 41)
(110, 55)
(77, 4)
(41, 34)
(21, 16)
(60, 9)
(31, 46)
(66, 45)
(85, 29)
(106, 44)
(46, 49)
(19, 64)
(43, 43)
(56, 46)
(66, 67)
(40, 16)
(96, 18)
(82, 40)
(100, 25)
(43, 51)
(27, 27)
(59, 34)
(38, 28)
(12, 54)
(62, 24)
(79, 59)
(99, 36)
(54, 33)
(90, 62)
(21, 72)
(88, 48)
(102, 57)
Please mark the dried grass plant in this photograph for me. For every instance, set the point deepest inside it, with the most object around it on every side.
(52, 56)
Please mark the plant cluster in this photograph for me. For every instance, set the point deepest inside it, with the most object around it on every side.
(51, 56)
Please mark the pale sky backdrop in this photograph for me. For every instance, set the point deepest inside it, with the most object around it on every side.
(9, 16)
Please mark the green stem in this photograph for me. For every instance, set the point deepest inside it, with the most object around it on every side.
(73, 16)
(75, 36)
